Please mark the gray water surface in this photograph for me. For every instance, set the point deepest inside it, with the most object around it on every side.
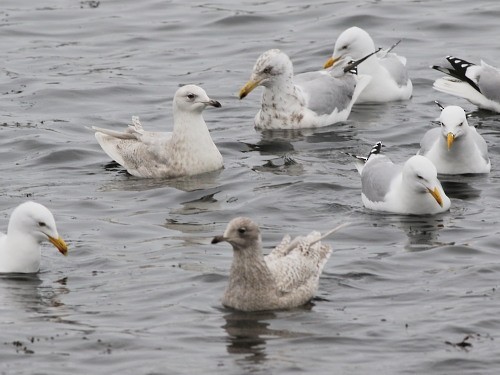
(140, 290)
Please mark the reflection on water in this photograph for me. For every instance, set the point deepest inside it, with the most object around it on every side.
(461, 189)
(422, 231)
(190, 183)
(248, 333)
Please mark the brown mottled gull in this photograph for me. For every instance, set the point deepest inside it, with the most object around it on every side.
(288, 277)
(187, 151)
(306, 100)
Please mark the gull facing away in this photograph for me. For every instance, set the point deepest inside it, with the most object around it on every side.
(306, 100)
(30, 224)
(187, 151)
(388, 71)
(455, 147)
(287, 277)
(479, 84)
(410, 189)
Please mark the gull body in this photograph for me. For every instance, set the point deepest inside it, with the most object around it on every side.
(307, 100)
(188, 150)
(287, 277)
(388, 71)
(30, 224)
(479, 84)
(455, 147)
(411, 189)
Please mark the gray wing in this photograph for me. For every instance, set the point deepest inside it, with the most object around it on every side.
(324, 93)
(377, 176)
(481, 144)
(395, 68)
(488, 81)
(428, 140)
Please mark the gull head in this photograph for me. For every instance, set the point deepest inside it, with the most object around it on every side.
(420, 176)
(354, 43)
(453, 123)
(35, 220)
(271, 66)
(242, 233)
(192, 98)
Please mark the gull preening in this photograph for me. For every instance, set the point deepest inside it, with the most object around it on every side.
(30, 224)
(188, 150)
(479, 84)
(412, 188)
(388, 71)
(287, 277)
(455, 147)
(306, 100)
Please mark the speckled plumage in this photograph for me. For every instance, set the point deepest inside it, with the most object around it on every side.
(306, 100)
(288, 277)
(188, 150)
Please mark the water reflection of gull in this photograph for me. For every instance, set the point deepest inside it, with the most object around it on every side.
(248, 333)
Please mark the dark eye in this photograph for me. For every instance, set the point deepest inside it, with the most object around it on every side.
(191, 96)
(42, 224)
(344, 47)
(442, 124)
(460, 124)
(242, 230)
(267, 70)
(419, 177)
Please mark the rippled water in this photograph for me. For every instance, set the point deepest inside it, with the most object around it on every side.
(139, 292)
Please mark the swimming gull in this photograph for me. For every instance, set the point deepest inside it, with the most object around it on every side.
(455, 147)
(287, 277)
(306, 100)
(30, 223)
(390, 79)
(188, 150)
(411, 189)
(479, 84)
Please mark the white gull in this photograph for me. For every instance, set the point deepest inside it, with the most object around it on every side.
(411, 189)
(479, 84)
(390, 79)
(455, 147)
(30, 224)
(187, 151)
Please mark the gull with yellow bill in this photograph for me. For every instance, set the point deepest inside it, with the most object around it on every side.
(455, 147)
(388, 71)
(409, 189)
(30, 224)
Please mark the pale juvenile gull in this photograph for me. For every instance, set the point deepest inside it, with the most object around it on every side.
(287, 277)
(455, 147)
(411, 189)
(187, 151)
(479, 84)
(30, 223)
(306, 100)
(388, 71)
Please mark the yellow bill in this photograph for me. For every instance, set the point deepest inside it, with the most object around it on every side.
(60, 244)
(436, 195)
(449, 139)
(247, 89)
(330, 62)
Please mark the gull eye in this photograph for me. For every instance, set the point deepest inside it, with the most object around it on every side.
(461, 123)
(441, 124)
(41, 224)
(242, 230)
(267, 70)
(191, 96)
(344, 46)
(419, 177)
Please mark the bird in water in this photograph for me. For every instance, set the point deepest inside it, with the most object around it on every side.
(285, 278)
(30, 224)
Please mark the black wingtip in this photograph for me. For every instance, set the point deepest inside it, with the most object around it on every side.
(439, 104)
